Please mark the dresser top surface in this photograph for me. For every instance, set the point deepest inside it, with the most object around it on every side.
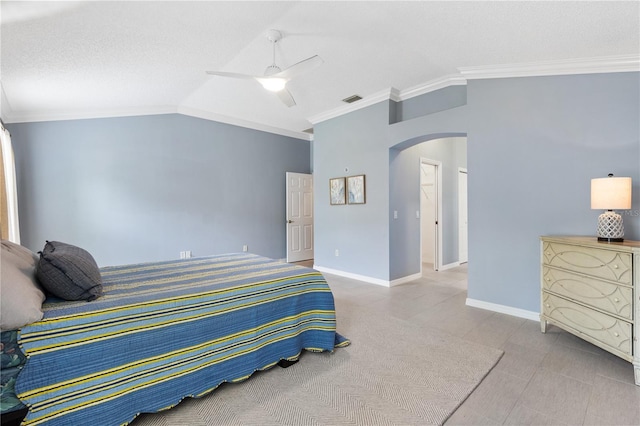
(626, 245)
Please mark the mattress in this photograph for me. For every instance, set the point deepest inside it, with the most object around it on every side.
(169, 330)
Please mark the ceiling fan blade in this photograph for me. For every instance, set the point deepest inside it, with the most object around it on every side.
(286, 97)
(301, 67)
(232, 75)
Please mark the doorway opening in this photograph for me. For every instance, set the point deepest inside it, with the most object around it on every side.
(430, 190)
(423, 179)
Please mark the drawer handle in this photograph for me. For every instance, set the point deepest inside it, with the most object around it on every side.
(615, 266)
(616, 334)
(548, 305)
(615, 299)
(548, 279)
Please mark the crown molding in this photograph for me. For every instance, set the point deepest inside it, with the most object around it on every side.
(608, 64)
(395, 95)
(366, 101)
(432, 86)
(31, 117)
(206, 115)
(9, 116)
(391, 94)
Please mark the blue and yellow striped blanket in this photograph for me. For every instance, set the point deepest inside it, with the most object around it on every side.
(164, 331)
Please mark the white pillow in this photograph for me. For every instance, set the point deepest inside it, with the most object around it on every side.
(20, 294)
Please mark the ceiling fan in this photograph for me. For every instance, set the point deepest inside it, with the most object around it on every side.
(274, 78)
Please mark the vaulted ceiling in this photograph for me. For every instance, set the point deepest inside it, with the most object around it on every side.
(66, 60)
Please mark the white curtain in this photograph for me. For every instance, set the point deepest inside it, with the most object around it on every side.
(10, 184)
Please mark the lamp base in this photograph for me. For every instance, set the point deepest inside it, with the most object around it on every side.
(610, 227)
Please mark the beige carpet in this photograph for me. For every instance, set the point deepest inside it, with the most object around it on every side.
(393, 373)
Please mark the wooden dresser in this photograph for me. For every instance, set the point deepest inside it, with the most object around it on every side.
(591, 289)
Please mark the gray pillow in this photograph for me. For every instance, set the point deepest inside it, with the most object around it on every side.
(20, 294)
(69, 272)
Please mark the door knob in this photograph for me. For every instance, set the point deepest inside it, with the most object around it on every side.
(289, 221)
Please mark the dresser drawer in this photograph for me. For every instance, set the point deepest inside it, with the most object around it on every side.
(603, 295)
(612, 333)
(600, 263)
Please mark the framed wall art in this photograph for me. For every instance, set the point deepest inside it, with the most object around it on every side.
(356, 189)
(337, 191)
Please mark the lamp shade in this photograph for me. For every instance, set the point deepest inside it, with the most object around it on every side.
(611, 193)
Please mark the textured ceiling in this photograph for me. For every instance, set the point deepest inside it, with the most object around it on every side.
(91, 59)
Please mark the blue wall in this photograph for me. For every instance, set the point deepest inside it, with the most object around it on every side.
(438, 100)
(534, 145)
(353, 144)
(145, 188)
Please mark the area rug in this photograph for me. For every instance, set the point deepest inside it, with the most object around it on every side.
(393, 373)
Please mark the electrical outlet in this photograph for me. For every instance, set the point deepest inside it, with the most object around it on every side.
(337, 252)
(185, 254)
(245, 248)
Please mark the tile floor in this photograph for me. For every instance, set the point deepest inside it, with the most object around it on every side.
(542, 379)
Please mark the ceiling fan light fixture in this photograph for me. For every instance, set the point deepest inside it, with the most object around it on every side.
(275, 79)
(273, 84)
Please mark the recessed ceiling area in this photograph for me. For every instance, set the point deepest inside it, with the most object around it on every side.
(66, 60)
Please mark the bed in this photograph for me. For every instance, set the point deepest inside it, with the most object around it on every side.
(160, 332)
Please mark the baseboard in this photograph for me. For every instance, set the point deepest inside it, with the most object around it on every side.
(449, 266)
(358, 277)
(503, 309)
(376, 281)
(403, 280)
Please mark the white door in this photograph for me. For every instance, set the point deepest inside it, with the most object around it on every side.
(299, 217)
(430, 202)
(428, 213)
(463, 229)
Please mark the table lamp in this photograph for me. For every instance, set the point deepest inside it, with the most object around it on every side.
(611, 193)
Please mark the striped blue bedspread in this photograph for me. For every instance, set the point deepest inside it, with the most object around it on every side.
(164, 331)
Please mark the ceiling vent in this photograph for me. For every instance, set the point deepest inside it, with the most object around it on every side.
(351, 99)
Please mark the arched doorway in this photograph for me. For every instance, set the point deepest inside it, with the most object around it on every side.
(407, 224)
